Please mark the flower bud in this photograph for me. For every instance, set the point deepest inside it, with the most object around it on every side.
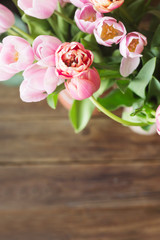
(84, 85)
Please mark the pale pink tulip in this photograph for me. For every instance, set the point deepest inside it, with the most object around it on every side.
(106, 6)
(158, 119)
(6, 18)
(72, 59)
(131, 48)
(38, 83)
(84, 85)
(44, 48)
(38, 8)
(86, 18)
(108, 31)
(79, 3)
(16, 55)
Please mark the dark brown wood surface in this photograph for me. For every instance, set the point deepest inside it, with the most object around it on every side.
(102, 184)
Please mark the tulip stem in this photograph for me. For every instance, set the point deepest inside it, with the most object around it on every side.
(11, 32)
(67, 19)
(22, 33)
(114, 117)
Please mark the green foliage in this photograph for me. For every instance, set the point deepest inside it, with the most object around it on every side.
(37, 26)
(80, 114)
(116, 99)
(52, 100)
(139, 83)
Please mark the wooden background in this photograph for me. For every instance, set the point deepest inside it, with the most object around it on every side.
(102, 184)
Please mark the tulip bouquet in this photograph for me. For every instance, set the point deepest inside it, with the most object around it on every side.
(101, 53)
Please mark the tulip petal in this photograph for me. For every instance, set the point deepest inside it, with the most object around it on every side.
(128, 65)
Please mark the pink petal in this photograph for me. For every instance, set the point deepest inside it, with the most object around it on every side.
(128, 65)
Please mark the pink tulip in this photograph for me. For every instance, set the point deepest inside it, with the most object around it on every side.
(107, 31)
(16, 55)
(72, 59)
(44, 48)
(86, 18)
(38, 83)
(6, 18)
(84, 85)
(158, 119)
(38, 8)
(106, 6)
(131, 48)
(79, 3)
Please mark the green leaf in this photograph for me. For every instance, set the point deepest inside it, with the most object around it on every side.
(156, 39)
(37, 26)
(14, 81)
(154, 89)
(123, 84)
(52, 100)
(136, 8)
(80, 114)
(116, 99)
(156, 13)
(139, 84)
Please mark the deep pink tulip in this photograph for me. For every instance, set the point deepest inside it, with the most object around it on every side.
(79, 3)
(86, 18)
(16, 55)
(38, 83)
(131, 48)
(108, 31)
(44, 48)
(158, 119)
(84, 85)
(6, 18)
(72, 59)
(105, 6)
(38, 8)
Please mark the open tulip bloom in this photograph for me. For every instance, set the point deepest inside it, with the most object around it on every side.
(102, 53)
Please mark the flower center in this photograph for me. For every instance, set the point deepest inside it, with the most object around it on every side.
(133, 44)
(91, 18)
(16, 56)
(109, 32)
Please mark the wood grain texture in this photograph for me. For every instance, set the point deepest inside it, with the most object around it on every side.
(102, 184)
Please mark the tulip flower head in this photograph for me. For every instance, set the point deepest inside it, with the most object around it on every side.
(41, 9)
(6, 19)
(44, 48)
(84, 85)
(79, 3)
(105, 6)
(86, 18)
(72, 59)
(39, 81)
(16, 55)
(108, 31)
(131, 48)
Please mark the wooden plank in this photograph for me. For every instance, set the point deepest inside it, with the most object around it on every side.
(11, 107)
(54, 141)
(92, 186)
(80, 202)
